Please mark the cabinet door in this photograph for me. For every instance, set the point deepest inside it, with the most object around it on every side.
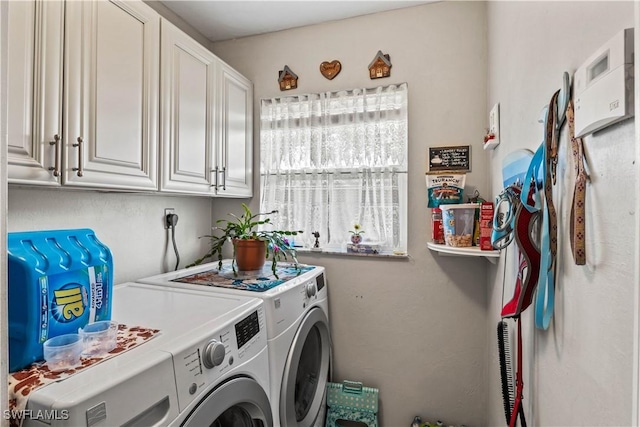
(187, 103)
(236, 135)
(34, 91)
(111, 88)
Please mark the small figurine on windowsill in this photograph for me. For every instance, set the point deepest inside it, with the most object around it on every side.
(316, 244)
(356, 234)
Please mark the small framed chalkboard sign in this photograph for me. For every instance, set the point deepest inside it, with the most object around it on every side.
(454, 158)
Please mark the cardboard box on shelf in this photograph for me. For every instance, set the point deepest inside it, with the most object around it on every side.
(437, 231)
(486, 225)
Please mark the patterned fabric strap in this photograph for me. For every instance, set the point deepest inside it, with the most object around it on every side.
(551, 144)
(545, 296)
(577, 224)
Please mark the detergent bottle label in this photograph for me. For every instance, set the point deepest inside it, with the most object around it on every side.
(72, 299)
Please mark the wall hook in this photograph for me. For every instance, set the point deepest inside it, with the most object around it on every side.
(562, 103)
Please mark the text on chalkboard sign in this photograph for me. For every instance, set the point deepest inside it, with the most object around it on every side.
(455, 158)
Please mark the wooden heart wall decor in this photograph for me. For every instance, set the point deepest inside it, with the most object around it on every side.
(330, 69)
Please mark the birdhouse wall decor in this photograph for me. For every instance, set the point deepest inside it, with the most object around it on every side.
(380, 66)
(330, 69)
(287, 79)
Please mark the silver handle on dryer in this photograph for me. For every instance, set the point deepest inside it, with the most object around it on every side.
(213, 354)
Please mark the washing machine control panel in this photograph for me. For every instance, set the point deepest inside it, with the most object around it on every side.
(205, 363)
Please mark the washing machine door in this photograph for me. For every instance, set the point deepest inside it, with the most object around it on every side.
(238, 402)
(306, 372)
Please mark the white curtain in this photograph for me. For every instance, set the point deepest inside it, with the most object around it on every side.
(334, 159)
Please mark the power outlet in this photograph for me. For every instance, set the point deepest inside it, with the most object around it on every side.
(167, 211)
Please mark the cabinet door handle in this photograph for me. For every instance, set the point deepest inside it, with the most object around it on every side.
(215, 175)
(79, 170)
(55, 170)
(224, 177)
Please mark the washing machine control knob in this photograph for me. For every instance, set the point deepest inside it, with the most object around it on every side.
(311, 289)
(213, 354)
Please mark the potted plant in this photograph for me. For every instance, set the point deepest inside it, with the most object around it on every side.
(356, 234)
(251, 247)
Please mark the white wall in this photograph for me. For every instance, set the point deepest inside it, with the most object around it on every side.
(415, 329)
(131, 225)
(579, 372)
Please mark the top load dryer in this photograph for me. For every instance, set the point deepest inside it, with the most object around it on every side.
(297, 318)
(208, 364)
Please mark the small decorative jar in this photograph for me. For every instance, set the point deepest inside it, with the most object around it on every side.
(356, 239)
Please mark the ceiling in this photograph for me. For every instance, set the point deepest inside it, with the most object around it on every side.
(224, 20)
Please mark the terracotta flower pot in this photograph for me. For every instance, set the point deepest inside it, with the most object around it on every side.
(250, 254)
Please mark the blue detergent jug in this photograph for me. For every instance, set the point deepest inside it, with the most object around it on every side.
(59, 281)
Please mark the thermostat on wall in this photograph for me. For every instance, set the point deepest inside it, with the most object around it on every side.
(603, 85)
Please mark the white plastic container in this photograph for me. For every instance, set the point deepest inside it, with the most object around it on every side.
(63, 352)
(458, 222)
(99, 338)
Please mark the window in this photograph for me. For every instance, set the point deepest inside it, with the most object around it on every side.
(331, 160)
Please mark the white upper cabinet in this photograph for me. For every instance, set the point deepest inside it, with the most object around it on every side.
(34, 90)
(94, 104)
(105, 54)
(235, 147)
(206, 121)
(188, 113)
(111, 95)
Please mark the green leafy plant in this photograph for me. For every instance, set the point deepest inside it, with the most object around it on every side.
(357, 230)
(246, 227)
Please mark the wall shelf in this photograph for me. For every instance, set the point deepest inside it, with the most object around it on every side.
(445, 250)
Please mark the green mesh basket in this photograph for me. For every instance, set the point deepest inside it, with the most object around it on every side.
(353, 396)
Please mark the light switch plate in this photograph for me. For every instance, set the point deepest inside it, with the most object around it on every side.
(494, 127)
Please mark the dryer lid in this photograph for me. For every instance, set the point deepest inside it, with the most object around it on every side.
(177, 312)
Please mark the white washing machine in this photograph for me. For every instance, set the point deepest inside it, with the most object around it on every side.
(297, 316)
(208, 366)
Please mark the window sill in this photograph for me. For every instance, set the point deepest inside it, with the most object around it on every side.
(343, 252)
